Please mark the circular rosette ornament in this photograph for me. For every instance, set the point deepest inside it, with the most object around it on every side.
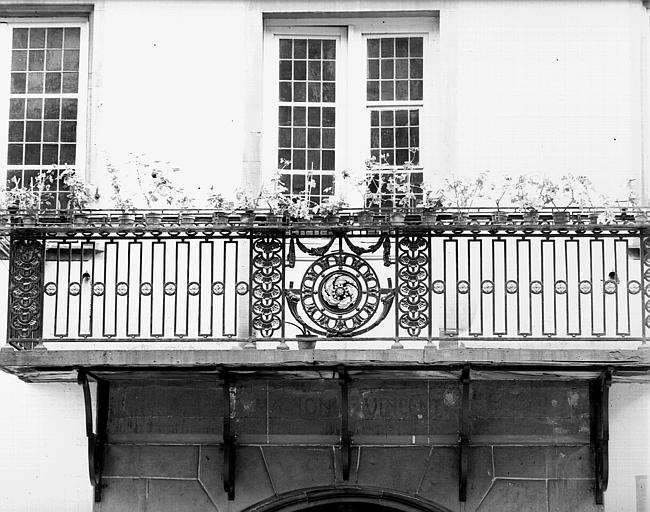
(340, 293)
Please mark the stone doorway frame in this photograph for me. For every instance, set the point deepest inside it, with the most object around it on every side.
(303, 499)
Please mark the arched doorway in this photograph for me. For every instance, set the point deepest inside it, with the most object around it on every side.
(350, 507)
(345, 499)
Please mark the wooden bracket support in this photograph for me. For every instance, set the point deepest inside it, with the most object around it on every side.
(346, 438)
(96, 438)
(229, 441)
(599, 399)
(463, 437)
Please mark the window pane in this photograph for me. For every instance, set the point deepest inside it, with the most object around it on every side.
(401, 58)
(307, 77)
(43, 127)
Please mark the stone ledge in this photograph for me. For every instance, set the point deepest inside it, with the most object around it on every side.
(61, 365)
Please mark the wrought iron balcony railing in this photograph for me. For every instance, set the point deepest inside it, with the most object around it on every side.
(258, 281)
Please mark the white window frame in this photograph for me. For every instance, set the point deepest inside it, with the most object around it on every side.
(352, 108)
(6, 31)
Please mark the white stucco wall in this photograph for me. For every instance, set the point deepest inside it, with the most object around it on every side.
(544, 86)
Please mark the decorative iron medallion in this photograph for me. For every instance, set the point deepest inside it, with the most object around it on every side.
(340, 293)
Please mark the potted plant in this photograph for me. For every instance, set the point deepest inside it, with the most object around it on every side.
(186, 217)
(498, 191)
(246, 201)
(275, 194)
(155, 185)
(460, 193)
(330, 207)
(431, 203)
(530, 193)
(79, 196)
(371, 200)
(120, 201)
(27, 200)
(217, 202)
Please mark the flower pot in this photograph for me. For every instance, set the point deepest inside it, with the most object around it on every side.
(126, 220)
(365, 217)
(499, 217)
(397, 218)
(333, 218)
(186, 219)
(429, 216)
(29, 219)
(219, 218)
(460, 218)
(307, 343)
(561, 218)
(80, 219)
(273, 219)
(153, 218)
(246, 217)
(531, 217)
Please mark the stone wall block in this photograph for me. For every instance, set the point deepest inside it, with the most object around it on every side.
(440, 482)
(444, 407)
(120, 494)
(252, 483)
(165, 409)
(572, 496)
(393, 468)
(515, 496)
(479, 475)
(520, 461)
(530, 409)
(299, 467)
(151, 461)
(177, 496)
(304, 408)
(398, 409)
(249, 408)
(570, 462)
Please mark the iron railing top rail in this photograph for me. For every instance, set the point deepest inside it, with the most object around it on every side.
(455, 220)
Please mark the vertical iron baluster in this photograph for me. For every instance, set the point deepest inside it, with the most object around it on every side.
(129, 254)
(58, 289)
(494, 291)
(604, 274)
(91, 311)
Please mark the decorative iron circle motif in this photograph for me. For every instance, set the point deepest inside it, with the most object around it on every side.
(74, 289)
(536, 287)
(646, 274)
(50, 289)
(145, 289)
(98, 289)
(512, 286)
(634, 287)
(646, 244)
(560, 287)
(646, 259)
(585, 287)
(647, 306)
(122, 288)
(170, 288)
(340, 292)
(609, 286)
(647, 322)
(438, 286)
(241, 288)
(463, 287)
(487, 286)
(217, 288)
(193, 288)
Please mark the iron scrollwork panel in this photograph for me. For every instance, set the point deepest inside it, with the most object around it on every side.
(267, 278)
(340, 292)
(26, 289)
(413, 261)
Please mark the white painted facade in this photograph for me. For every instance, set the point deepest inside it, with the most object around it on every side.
(549, 87)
